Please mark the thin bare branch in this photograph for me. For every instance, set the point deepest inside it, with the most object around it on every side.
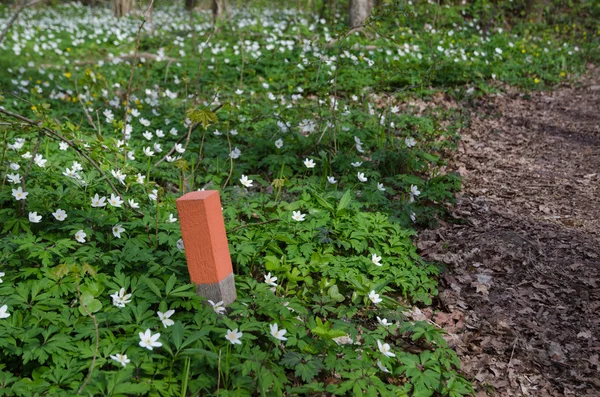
(197, 82)
(53, 134)
(186, 137)
(230, 159)
(37, 147)
(12, 19)
(87, 114)
(131, 73)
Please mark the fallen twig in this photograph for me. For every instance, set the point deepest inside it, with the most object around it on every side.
(511, 355)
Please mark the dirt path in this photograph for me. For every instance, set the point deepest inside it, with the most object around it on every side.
(521, 297)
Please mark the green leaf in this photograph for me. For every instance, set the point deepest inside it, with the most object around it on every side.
(194, 337)
(89, 269)
(202, 116)
(430, 157)
(152, 285)
(327, 333)
(291, 359)
(170, 284)
(334, 293)
(59, 271)
(284, 239)
(177, 336)
(344, 202)
(92, 304)
(324, 203)
(307, 371)
(202, 352)
(272, 263)
(131, 388)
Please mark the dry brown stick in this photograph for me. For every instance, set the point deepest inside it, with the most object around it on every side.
(87, 114)
(511, 355)
(19, 117)
(243, 63)
(37, 147)
(186, 137)
(156, 224)
(12, 19)
(335, 99)
(131, 73)
(230, 160)
(167, 72)
(98, 120)
(197, 82)
(4, 149)
(50, 132)
(332, 42)
(200, 158)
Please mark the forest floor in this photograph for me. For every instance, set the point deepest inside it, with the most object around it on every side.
(520, 298)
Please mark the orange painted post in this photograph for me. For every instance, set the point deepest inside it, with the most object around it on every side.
(205, 244)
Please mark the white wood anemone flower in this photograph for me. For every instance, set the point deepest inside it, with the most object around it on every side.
(165, 318)
(276, 332)
(385, 349)
(234, 336)
(298, 216)
(121, 359)
(4, 312)
(148, 340)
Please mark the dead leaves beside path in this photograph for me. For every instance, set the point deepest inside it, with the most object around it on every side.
(520, 298)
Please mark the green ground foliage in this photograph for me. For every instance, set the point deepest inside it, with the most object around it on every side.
(327, 145)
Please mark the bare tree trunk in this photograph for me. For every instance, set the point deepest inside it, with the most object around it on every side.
(325, 7)
(121, 7)
(359, 12)
(334, 8)
(379, 6)
(226, 9)
(535, 10)
(190, 4)
(217, 9)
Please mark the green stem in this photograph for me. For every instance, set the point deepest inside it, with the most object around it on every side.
(186, 375)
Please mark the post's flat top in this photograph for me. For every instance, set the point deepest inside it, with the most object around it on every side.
(198, 195)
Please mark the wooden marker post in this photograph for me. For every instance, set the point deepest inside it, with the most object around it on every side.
(205, 244)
